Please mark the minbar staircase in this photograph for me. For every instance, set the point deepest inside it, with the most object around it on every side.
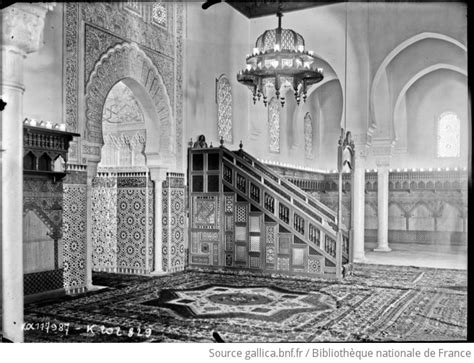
(243, 215)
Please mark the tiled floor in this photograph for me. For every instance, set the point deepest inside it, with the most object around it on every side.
(420, 255)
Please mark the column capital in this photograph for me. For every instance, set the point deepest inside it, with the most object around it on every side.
(160, 160)
(383, 162)
(361, 145)
(382, 150)
(92, 167)
(157, 173)
(23, 24)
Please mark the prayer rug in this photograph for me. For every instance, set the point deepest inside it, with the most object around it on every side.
(378, 303)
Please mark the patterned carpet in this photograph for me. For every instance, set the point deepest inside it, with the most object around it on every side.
(377, 303)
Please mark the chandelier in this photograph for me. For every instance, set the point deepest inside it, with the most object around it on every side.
(279, 61)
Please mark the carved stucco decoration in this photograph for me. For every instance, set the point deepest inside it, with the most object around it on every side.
(71, 71)
(128, 61)
(133, 28)
(97, 40)
(113, 24)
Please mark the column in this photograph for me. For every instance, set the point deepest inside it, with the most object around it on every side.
(382, 205)
(22, 29)
(158, 176)
(358, 202)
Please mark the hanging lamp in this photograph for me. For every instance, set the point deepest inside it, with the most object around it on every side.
(279, 60)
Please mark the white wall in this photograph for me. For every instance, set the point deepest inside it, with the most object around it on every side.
(216, 42)
(389, 24)
(43, 98)
(437, 92)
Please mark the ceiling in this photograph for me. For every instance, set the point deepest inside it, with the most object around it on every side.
(255, 9)
(258, 8)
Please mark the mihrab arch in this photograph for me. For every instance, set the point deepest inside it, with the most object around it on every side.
(127, 62)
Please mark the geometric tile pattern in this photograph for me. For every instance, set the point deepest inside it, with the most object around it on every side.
(173, 249)
(165, 230)
(316, 264)
(131, 229)
(229, 203)
(210, 236)
(151, 225)
(270, 243)
(37, 282)
(241, 213)
(205, 212)
(75, 236)
(122, 224)
(104, 224)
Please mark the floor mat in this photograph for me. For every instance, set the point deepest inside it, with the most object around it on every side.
(377, 303)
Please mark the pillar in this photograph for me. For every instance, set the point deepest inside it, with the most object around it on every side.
(158, 176)
(22, 30)
(358, 202)
(382, 205)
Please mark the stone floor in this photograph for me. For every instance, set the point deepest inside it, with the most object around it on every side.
(420, 255)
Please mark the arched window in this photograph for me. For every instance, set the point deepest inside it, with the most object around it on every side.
(308, 136)
(224, 108)
(449, 135)
(274, 124)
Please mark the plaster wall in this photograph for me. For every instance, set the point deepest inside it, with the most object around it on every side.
(216, 43)
(427, 99)
(43, 97)
(400, 21)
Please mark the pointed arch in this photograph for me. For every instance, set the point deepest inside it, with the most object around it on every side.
(381, 71)
(224, 108)
(128, 63)
(411, 81)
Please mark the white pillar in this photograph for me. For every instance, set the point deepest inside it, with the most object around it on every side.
(382, 206)
(22, 29)
(358, 203)
(158, 176)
